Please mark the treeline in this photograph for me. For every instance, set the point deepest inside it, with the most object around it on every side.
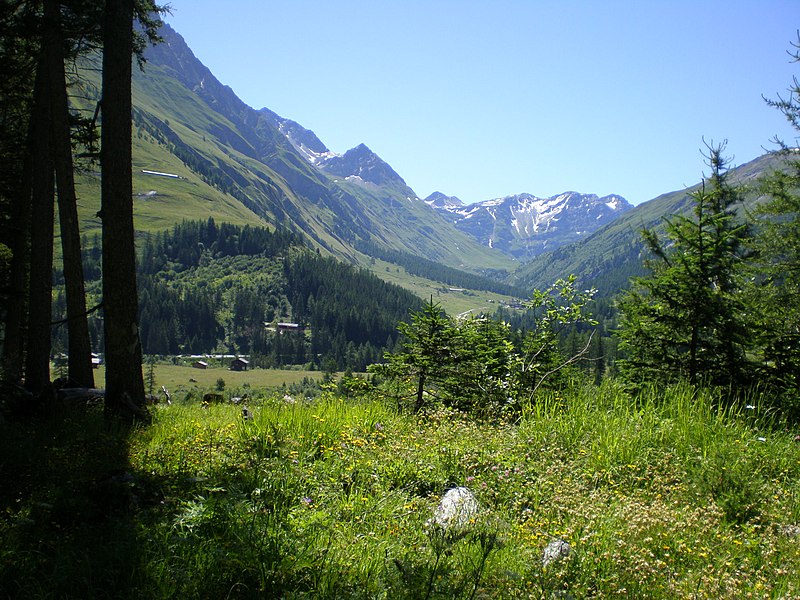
(186, 243)
(208, 287)
(429, 269)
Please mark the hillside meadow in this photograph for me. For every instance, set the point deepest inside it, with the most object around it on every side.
(665, 495)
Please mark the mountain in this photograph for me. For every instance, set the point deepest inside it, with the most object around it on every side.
(200, 151)
(287, 176)
(359, 162)
(524, 226)
(440, 201)
(607, 258)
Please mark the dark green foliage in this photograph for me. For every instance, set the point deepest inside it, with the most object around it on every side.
(482, 375)
(182, 316)
(684, 320)
(427, 353)
(774, 290)
(177, 320)
(17, 67)
(774, 276)
(206, 286)
(188, 241)
(352, 313)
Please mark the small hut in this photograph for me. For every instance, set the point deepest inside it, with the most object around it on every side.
(239, 364)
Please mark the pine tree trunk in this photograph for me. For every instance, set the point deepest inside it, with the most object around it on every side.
(79, 349)
(123, 352)
(37, 359)
(419, 403)
(17, 298)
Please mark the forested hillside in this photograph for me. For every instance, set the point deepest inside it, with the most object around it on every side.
(206, 287)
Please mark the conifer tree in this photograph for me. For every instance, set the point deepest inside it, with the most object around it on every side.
(774, 293)
(684, 320)
(428, 343)
(18, 60)
(124, 382)
(40, 195)
(54, 48)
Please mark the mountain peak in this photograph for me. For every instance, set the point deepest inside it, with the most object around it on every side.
(443, 201)
(360, 162)
(304, 140)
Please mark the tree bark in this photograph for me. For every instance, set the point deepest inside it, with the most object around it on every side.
(37, 359)
(79, 347)
(123, 352)
(19, 242)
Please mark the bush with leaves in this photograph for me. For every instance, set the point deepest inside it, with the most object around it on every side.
(472, 364)
(557, 308)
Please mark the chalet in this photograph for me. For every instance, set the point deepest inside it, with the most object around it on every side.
(200, 364)
(239, 364)
(291, 327)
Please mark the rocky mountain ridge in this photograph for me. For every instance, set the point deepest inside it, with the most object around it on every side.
(524, 225)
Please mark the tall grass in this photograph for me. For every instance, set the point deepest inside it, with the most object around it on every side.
(668, 494)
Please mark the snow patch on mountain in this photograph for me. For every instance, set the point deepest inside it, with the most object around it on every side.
(524, 225)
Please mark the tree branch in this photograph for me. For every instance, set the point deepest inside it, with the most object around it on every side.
(86, 314)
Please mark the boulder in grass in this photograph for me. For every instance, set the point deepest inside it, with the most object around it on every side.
(555, 550)
(457, 507)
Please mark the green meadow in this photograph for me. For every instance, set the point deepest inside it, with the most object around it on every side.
(667, 494)
(183, 379)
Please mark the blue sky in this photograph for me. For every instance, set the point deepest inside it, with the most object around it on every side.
(481, 99)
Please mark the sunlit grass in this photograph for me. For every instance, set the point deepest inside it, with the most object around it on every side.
(182, 380)
(664, 496)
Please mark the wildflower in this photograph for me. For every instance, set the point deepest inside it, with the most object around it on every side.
(749, 407)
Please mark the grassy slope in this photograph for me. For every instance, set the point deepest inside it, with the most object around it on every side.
(176, 199)
(416, 226)
(453, 302)
(664, 498)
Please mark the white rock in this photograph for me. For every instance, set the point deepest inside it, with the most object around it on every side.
(456, 508)
(554, 551)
